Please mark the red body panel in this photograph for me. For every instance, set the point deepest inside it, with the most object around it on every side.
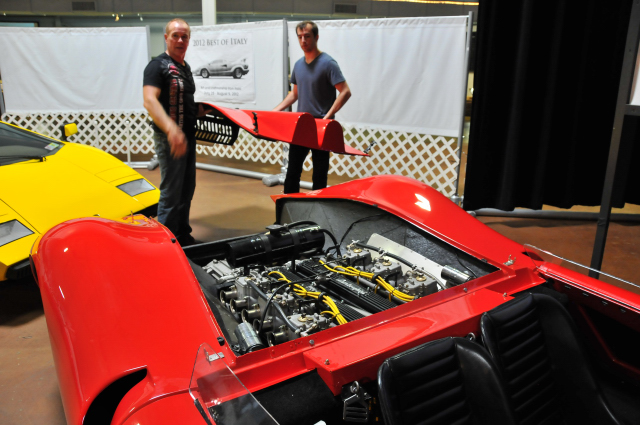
(119, 298)
(622, 297)
(331, 138)
(403, 197)
(297, 128)
(177, 409)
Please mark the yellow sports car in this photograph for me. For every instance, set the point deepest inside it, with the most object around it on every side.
(44, 181)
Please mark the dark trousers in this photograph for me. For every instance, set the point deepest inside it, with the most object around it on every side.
(177, 186)
(297, 155)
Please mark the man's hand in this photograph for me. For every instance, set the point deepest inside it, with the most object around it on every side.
(175, 136)
(177, 141)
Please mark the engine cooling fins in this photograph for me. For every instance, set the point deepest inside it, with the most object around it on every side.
(297, 128)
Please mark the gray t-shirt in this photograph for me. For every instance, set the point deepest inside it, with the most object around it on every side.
(316, 84)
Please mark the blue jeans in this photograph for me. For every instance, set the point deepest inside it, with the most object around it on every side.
(177, 186)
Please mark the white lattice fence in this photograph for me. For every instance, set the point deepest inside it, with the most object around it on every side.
(430, 159)
(247, 148)
(114, 133)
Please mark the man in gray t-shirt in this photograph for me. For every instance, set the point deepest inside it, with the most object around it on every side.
(315, 79)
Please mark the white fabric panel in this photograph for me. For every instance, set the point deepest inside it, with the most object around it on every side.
(73, 69)
(635, 88)
(405, 74)
(264, 79)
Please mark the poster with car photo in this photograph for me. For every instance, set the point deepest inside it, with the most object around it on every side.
(222, 66)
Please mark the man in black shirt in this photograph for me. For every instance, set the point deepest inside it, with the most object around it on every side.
(168, 90)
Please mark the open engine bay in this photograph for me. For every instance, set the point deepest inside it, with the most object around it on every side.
(298, 278)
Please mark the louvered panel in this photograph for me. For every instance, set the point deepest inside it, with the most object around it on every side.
(435, 388)
(527, 368)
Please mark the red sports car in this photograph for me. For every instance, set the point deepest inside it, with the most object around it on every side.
(373, 301)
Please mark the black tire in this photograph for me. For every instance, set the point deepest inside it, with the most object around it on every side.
(204, 73)
(237, 73)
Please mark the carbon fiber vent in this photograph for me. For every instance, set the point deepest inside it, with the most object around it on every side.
(215, 129)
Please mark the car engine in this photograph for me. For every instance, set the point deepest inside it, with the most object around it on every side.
(296, 280)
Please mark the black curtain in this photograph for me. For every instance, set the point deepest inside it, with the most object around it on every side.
(627, 181)
(546, 85)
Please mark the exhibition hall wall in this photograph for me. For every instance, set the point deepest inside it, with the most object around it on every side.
(73, 70)
(407, 75)
(259, 45)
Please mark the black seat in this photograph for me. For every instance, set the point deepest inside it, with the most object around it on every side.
(536, 347)
(448, 381)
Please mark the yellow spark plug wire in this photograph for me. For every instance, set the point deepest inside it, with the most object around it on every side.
(352, 271)
(302, 291)
(282, 276)
(393, 291)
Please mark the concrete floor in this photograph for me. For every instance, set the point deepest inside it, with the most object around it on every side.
(226, 206)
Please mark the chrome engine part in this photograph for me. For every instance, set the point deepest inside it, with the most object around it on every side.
(417, 284)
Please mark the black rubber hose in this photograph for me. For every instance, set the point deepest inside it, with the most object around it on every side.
(300, 223)
(360, 220)
(460, 262)
(277, 307)
(333, 239)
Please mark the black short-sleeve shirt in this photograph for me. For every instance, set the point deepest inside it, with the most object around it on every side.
(177, 88)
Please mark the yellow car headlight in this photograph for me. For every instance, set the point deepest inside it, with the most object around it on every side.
(12, 230)
(135, 187)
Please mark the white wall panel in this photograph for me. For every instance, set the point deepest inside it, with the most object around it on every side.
(405, 74)
(73, 69)
(635, 88)
(266, 66)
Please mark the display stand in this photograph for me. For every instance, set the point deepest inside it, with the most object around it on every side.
(623, 108)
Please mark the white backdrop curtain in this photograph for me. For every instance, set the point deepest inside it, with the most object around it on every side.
(71, 70)
(635, 89)
(405, 74)
(266, 66)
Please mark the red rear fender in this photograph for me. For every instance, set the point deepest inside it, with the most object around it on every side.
(119, 297)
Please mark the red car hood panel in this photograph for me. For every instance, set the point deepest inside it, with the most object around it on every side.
(148, 312)
(296, 128)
